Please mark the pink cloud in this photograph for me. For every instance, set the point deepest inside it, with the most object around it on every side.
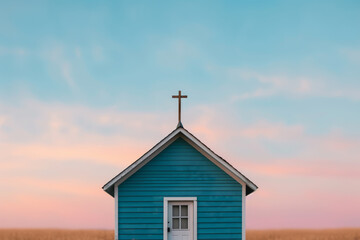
(34, 136)
(40, 131)
(53, 211)
(206, 118)
(118, 153)
(293, 207)
(297, 167)
(99, 143)
(271, 131)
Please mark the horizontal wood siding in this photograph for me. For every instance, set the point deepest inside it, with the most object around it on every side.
(180, 171)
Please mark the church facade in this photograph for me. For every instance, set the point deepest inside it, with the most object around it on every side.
(180, 190)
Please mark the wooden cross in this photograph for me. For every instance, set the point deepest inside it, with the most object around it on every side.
(179, 97)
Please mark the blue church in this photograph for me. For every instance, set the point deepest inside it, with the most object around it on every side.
(180, 190)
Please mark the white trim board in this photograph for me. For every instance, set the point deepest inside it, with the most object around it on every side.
(116, 197)
(165, 215)
(179, 132)
(243, 212)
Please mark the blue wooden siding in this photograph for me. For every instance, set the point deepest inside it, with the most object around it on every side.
(180, 170)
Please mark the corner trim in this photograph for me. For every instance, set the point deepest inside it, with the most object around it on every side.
(243, 212)
(116, 211)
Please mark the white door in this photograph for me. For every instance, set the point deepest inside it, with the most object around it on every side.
(180, 221)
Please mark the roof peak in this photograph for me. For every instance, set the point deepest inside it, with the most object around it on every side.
(180, 125)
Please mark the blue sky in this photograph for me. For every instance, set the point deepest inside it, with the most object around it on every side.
(123, 52)
(268, 82)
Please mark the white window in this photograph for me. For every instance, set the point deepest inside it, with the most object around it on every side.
(180, 217)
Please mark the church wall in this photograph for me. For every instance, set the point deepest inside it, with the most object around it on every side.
(180, 171)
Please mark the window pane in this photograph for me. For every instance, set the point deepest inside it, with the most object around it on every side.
(184, 210)
(184, 223)
(175, 210)
(175, 224)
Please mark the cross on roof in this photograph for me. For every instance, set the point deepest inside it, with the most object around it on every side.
(179, 97)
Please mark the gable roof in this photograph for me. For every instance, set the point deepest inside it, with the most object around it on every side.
(197, 144)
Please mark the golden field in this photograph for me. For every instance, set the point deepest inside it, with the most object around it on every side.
(328, 234)
(54, 234)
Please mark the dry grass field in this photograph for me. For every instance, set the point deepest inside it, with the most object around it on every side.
(50, 234)
(329, 234)
(55, 234)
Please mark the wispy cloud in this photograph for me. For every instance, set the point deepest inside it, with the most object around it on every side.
(205, 118)
(279, 149)
(270, 84)
(351, 54)
(13, 51)
(37, 130)
(176, 54)
(271, 131)
(98, 53)
(60, 64)
(2, 120)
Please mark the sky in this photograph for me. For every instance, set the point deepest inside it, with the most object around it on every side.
(273, 87)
